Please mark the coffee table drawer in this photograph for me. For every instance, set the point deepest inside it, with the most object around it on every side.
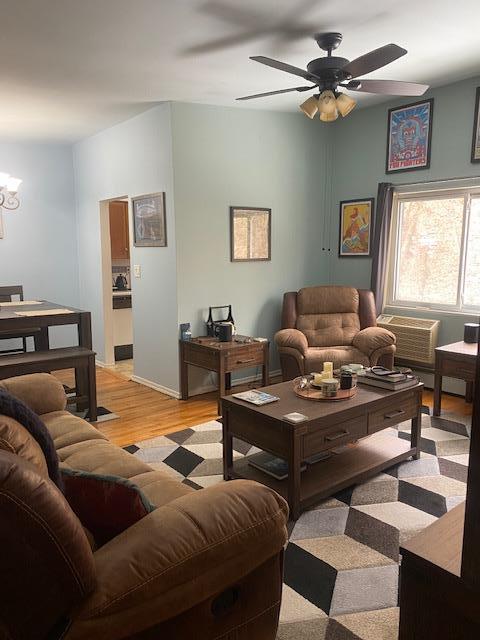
(458, 369)
(339, 434)
(251, 356)
(394, 413)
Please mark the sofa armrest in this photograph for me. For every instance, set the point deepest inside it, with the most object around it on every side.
(293, 339)
(373, 338)
(42, 392)
(181, 554)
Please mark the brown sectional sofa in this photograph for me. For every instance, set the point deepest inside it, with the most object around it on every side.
(205, 564)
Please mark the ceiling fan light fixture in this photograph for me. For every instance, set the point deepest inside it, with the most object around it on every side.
(345, 104)
(329, 117)
(310, 107)
(326, 103)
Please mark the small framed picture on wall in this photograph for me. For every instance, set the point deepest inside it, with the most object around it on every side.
(356, 228)
(409, 137)
(149, 220)
(476, 129)
(250, 234)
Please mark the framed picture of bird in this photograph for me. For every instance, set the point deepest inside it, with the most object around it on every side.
(356, 227)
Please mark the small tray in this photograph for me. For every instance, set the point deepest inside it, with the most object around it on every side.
(311, 393)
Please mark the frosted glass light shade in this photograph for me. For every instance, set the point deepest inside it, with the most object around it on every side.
(329, 117)
(345, 104)
(13, 184)
(310, 107)
(3, 179)
(327, 103)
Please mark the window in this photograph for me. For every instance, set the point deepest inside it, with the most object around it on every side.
(435, 250)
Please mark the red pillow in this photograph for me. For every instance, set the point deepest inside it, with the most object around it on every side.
(105, 505)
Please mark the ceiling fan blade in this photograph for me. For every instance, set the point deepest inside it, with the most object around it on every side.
(274, 93)
(388, 87)
(283, 66)
(374, 60)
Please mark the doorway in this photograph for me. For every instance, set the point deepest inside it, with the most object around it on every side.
(117, 290)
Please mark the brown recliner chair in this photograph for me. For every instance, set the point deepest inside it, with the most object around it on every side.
(204, 564)
(331, 324)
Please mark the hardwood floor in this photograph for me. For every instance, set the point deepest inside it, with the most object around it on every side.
(146, 413)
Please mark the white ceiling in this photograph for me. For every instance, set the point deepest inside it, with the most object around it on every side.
(72, 67)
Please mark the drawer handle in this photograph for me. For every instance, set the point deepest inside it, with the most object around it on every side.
(245, 361)
(394, 414)
(338, 435)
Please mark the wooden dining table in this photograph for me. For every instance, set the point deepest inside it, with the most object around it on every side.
(42, 315)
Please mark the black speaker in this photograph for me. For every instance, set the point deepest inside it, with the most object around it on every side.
(470, 332)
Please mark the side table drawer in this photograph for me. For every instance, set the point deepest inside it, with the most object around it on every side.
(250, 356)
(394, 413)
(457, 369)
(339, 434)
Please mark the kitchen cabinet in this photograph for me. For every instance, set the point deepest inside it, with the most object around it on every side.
(119, 236)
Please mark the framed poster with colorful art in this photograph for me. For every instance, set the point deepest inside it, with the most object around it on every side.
(356, 227)
(409, 137)
(476, 130)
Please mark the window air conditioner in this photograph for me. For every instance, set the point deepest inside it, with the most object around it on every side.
(416, 338)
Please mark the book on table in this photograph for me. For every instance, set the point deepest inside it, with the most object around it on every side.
(395, 382)
(274, 466)
(256, 397)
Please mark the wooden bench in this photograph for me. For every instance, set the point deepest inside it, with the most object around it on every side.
(77, 358)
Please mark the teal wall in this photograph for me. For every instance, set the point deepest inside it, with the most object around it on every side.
(359, 153)
(359, 160)
(227, 156)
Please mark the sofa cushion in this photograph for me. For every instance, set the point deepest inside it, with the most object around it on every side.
(67, 429)
(328, 315)
(101, 456)
(160, 487)
(106, 505)
(16, 439)
(327, 300)
(339, 355)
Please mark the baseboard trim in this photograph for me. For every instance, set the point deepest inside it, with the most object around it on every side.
(199, 390)
(207, 388)
(158, 387)
(103, 365)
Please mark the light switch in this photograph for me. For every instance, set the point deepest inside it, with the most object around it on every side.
(137, 271)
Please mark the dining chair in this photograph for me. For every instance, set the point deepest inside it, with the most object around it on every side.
(7, 294)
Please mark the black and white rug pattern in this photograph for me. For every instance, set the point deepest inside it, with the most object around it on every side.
(341, 566)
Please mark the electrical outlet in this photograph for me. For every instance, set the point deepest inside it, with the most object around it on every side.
(137, 271)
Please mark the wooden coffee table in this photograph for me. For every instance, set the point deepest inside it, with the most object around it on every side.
(457, 360)
(329, 425)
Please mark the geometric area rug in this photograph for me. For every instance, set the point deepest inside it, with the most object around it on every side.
(342, 559)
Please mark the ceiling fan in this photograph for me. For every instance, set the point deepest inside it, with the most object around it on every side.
(331, 72)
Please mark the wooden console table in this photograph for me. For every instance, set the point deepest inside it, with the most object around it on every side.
(455, 360)
(223, 358)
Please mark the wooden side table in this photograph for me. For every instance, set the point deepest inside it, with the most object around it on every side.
(455, 360)
(223, 358)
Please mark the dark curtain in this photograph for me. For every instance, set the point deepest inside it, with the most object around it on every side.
(383, 222)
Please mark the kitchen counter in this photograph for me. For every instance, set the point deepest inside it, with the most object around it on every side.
(122, 292)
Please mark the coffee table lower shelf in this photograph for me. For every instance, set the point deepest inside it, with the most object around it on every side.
(360, 461)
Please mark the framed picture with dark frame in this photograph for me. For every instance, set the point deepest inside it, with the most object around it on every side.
(409, 137)
(250, 234)
(476, 129)
(149, 220)
(356, 228)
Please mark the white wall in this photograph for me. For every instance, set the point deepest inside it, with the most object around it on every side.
(131, 158)
(39, 248)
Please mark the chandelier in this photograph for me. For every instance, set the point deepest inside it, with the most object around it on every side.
(8, 191)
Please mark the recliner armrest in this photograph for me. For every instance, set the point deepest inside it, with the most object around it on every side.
(180, 555)
(42, 392)
(292, 338)
(372, 338)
